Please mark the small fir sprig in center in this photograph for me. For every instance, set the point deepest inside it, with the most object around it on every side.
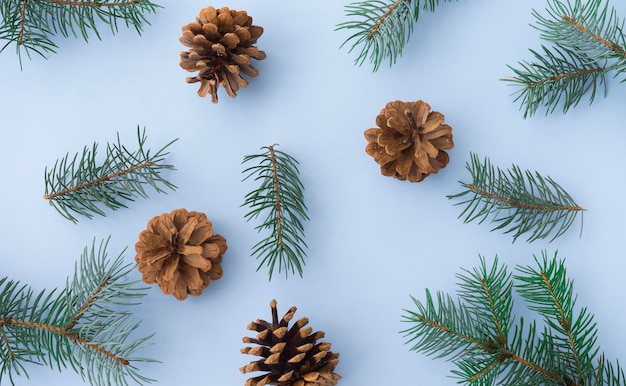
(280, 197)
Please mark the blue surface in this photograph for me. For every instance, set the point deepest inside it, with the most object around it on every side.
(372, 240)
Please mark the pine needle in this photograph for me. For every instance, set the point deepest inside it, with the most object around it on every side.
(82, 185)
(519, 202)
(280, 198)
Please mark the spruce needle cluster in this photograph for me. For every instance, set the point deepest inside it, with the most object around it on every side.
(31, 24)
(86, 326)
(280, 199)
(479, 334)
(82, 184)
(517, 201)
(381, 28)
(586, 43)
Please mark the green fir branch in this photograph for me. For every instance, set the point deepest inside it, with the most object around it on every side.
(31, 24)
(280, 199)
(588, 42)
(518, 201)
(86, 325)
(479, 335)
(592, 28)
(382, 28)
(82, 184)
(558, 76)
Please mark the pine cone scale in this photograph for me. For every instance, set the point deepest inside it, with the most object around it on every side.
(184, 234)
(442, 131)
(443, 143)
(197, 261)
(170, 267)
(434, 121)
(403, 166)
(201, 233)
(243, 34)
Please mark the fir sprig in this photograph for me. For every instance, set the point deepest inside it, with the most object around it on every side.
(280, 198)
(382, 28)
(81, 184)
(478, 333)
(86, 325)
(557, 75)
(31, 24)
(588, 43)
(518, 201)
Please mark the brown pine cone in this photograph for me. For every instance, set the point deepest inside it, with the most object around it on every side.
(179, 252)
(291, 356)
(410, 141)
(221, 43)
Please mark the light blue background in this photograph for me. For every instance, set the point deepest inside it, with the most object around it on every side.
(372, 240)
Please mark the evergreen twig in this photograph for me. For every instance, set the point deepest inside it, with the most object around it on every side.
(78, 185)
(31, 24)
(557, 75)
(477, 331)
(382, 27)
(588, 43)
(84, 325)
(518, 201)
(280, 197)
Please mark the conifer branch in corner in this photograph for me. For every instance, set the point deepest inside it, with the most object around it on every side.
(30, 24)
(586, 43)
(84, 325)
(518, 202)
(479, 334)
(280, 198)
(382, 28)
(83, 185)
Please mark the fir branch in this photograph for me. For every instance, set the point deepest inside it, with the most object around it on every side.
(588, 43)
(519, 202)
(31, 24)
(280, 196)
(83, 325)
(558, 76)
(78, 185)
(382, 28)
(478, 334)
(550, 293)
(592, 28)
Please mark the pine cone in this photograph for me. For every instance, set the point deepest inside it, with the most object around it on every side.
(291, 357)
(410, 142)
(179, 252)
(221, 44)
